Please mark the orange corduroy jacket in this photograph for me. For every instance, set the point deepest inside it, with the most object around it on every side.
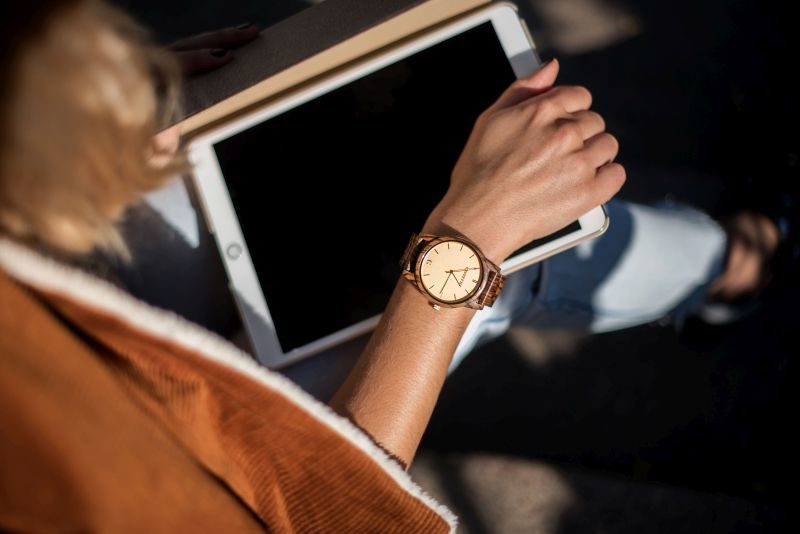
(117, 417)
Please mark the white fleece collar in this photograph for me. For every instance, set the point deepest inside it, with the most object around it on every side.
(33, 269)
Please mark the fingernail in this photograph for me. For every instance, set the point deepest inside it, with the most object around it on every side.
(244, 26)
(219, 52)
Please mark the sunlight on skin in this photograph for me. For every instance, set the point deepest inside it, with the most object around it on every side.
(578, 26)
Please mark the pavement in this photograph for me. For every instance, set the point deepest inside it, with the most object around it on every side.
(649, 429)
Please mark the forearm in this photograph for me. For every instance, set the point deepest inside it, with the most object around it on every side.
(536, 160)
(393, 389)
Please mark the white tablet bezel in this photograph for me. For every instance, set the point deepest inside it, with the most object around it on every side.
(221, 217)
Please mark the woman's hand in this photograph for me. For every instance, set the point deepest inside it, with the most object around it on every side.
(536, 160)
(205, 52)
(198, 55)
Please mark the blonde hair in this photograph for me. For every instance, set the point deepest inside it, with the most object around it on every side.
(78, 129)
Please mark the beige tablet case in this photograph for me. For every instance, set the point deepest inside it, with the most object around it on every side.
(420, 17)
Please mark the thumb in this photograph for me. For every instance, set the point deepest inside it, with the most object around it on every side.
(195, 62)
(530, 86)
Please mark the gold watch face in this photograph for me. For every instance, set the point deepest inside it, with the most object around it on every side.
(451, 271)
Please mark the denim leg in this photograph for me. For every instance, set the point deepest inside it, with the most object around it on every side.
(490, 323)
(652, 263)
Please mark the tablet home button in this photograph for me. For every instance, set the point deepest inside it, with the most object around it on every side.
(234, 250)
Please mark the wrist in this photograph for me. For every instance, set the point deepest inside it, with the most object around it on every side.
(490, 245)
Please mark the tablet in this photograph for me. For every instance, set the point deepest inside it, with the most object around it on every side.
(313, 197)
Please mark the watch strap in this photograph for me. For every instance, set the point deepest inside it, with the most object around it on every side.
(407, 260)
(494, 285)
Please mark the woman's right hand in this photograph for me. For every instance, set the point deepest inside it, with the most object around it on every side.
(536, 160)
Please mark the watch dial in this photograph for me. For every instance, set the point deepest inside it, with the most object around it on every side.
(451, 271)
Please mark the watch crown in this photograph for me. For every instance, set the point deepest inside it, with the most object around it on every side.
(436, 307)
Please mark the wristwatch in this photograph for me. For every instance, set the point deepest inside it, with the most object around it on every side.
(451, 272)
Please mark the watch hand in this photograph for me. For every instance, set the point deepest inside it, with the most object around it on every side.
(452, 272)
(461, 282)
(449, 274)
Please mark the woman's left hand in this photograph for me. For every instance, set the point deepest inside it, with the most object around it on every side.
(208, 51)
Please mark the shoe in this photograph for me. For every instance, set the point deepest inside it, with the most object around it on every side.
(783, 209)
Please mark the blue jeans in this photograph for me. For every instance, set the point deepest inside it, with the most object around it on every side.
(653, 263)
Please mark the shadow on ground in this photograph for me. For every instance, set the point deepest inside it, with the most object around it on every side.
(641, 405)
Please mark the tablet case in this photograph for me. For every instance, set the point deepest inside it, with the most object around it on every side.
(305, 46)
(298, 50)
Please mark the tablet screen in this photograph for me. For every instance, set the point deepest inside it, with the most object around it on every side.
(328, 193)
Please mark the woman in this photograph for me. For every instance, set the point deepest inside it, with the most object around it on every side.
(119, 417)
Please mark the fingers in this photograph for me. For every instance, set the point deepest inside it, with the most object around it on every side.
(525, 88)
(165, 146)
(600, 149)
(538, 88)
(569, 98)
(590, 123)
(225, 38)
(208, 51)
(167, 140)
(607, 183)
(196, 62)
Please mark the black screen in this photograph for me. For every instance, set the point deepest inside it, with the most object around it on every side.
(328, 193)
